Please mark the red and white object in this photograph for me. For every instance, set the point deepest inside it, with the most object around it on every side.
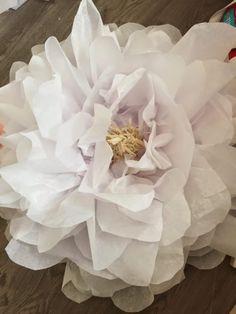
(227, 15)
(217, 17)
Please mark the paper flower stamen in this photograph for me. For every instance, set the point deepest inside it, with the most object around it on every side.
(125, 141)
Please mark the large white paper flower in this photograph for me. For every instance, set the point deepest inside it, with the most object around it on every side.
(117, 156)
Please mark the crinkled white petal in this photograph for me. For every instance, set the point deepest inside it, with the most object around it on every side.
(105, 248)
(28, 256)
(176, 209)
(47, 103)
(130, 266)
(169, 260)
(215, 125)
(207, 261)
(133, 299)
(208, 197)
(129, 193)
(200, 42)
(125, 228)
(73, 210)
(222, 160)
(224, 237)
(198, 76)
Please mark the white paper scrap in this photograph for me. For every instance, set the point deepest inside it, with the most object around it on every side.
(10, 4)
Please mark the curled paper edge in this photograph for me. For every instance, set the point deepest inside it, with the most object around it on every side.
(223, 240)
(129, 299)
(10, 4)
(69, 287)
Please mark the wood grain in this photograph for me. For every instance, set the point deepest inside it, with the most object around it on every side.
(28, 292)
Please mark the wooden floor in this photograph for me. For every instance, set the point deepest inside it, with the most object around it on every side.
(27, 292)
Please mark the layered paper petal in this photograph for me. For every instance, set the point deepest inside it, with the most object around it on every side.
(117, 157)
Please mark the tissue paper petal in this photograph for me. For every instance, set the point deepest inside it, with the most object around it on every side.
(125, 215)
(27, 256)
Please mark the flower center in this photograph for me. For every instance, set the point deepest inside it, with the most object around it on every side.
(125, 141)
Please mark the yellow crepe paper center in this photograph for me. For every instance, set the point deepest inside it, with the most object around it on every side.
(125, 141)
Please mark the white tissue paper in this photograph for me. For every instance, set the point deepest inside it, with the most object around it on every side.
(117, 156)
(10, 4)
